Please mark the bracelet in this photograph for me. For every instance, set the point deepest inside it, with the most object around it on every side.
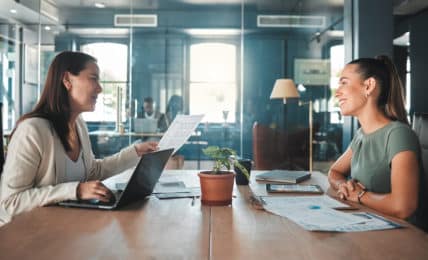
(360, 195)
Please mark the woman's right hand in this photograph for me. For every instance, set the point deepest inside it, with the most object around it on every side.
(93, 190)
(345, 188)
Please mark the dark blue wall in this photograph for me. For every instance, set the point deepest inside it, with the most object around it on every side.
(419, 62)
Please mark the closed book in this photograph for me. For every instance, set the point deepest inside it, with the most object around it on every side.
(283, 176)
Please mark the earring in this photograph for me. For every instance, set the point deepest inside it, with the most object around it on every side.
(367, 94)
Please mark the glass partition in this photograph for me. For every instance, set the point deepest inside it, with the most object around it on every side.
(286, 39)
(9, 55)
(183, 57)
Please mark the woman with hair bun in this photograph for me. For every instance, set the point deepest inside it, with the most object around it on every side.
(381, 167)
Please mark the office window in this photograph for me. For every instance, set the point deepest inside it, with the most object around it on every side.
(337, 62)
(408, 85)
(213, 86)
(112, 59)
(8, 64)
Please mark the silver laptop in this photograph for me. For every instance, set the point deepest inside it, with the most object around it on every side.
(139, 186)
(145, 125)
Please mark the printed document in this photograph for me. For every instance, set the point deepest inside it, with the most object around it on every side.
(316, 213)
(323, 200)
(372, 222)
(179, 131)
(310, 212)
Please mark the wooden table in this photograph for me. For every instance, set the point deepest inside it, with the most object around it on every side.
(174, 229)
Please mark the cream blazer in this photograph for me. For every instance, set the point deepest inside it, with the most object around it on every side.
(35, 165)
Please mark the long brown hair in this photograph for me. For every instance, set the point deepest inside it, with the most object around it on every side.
(53, 104)
(391, 98)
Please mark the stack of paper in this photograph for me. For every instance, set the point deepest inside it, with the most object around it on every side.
(169, 188)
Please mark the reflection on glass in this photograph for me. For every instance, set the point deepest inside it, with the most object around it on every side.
(222, 62)
(213, 85)
(9, 57)
(337, 62)
(112, 59)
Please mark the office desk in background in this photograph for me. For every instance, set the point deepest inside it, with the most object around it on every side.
(102, 133)
(105, 143)
(174, 229)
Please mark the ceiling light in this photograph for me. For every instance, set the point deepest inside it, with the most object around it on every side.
(99, 5)
(13, 11)
(47, 28)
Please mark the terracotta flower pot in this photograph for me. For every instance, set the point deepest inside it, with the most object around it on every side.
(216, 189)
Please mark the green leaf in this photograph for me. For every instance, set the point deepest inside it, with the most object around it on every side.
(222, 157)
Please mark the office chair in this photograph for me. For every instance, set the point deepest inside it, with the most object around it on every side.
(420, 126)
(280, 149)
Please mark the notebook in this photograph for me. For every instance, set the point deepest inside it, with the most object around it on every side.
(145, 125)
(283, 176)
(139, 186)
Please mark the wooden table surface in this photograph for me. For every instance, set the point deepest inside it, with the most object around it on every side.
(174, 229)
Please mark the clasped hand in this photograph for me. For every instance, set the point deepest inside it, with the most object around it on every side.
(349, 190)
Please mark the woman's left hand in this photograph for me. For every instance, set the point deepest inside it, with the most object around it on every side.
(146, 147)
(353, 188)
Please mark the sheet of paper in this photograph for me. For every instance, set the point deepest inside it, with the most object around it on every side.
(322, 200)
(371, 222)
(191, 193)
(316, 213)
(119, 181)
(179, 131)
(316, 217)
(310, 212)
(168, 179)
(170, 187)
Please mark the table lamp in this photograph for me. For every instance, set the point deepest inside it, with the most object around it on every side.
(284, 89)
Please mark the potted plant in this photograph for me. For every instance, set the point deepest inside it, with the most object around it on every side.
(217, 184)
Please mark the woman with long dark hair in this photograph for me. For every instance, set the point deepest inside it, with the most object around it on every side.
(50, 157)
(380, 169)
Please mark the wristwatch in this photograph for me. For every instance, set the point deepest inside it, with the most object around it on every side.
(361, 194)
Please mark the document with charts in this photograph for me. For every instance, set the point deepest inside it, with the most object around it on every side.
(316, 213)
(179, 131)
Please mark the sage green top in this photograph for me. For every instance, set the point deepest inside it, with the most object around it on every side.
(372, 154)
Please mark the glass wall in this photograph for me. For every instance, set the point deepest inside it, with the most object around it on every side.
(9, 55)
(203, 57)
(291, 39)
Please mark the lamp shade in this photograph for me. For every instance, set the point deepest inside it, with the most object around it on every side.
(284, 88)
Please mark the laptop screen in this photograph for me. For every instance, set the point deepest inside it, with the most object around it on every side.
(146, 175)
(145, 125)
(141, 184)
